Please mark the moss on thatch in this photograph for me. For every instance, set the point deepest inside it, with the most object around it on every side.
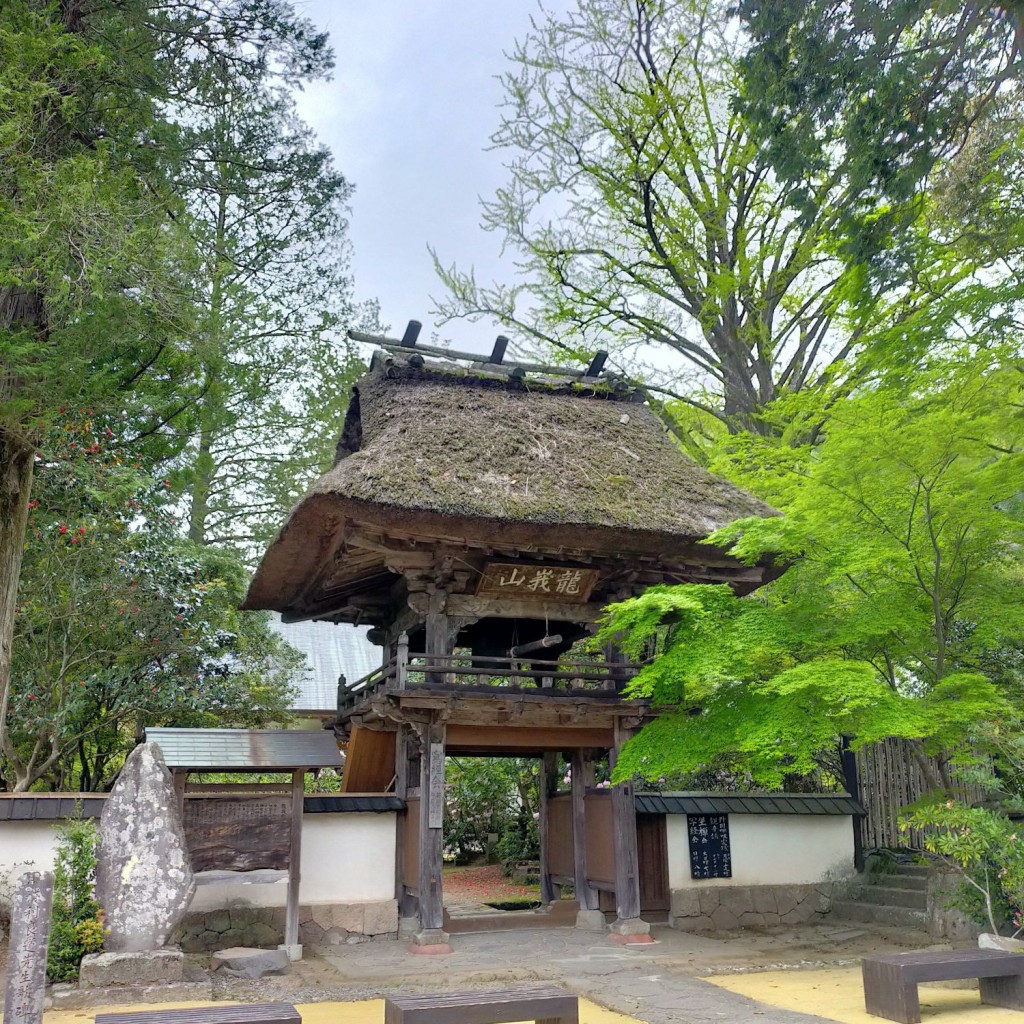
(517, 451)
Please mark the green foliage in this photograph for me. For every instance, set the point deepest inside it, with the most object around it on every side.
(881, 92)
(76, 925)
(904, 528)
(268, 213)
(519, 841)
(123, 624)
(650, 221)
(491, 795)
(986, 849)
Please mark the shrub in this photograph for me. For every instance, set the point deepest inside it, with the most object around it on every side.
(76, 926)
(986, 849)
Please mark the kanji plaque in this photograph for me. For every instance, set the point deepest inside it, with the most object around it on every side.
(537, 582)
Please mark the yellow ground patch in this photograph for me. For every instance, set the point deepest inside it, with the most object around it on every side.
(839, 995)
(370, 1011)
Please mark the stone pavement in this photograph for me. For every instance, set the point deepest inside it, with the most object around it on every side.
(657, 983)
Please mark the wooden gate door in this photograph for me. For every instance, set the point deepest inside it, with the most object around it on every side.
(652, 848)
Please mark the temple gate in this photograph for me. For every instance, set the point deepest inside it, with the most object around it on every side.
(480, 515)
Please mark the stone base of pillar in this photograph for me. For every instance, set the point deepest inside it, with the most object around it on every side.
(591, 921)
(431, 942)
(630, 933)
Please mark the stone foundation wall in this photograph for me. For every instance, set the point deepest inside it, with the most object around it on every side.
(321, 924)
(726, 908)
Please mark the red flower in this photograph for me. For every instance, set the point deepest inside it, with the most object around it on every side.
(63, 529)
(81, 531)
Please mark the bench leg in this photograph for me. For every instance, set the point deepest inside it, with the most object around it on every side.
(887, 995)
(1006, 991)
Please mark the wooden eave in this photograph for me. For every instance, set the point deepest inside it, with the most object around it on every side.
(349, 561)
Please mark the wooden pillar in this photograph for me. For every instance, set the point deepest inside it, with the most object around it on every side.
(291, 917)
(628, 927)
(438, 638)
(582, 777)
(546, 784)
(406, 903)
(180, 777)
(431, 938)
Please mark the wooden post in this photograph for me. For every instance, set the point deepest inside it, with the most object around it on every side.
(179, 778)
(401, 791)
(431, 938)
(291, 918)
(582, 777)
(438, 641)
(401, 661)
(628, 927)
(545, 784)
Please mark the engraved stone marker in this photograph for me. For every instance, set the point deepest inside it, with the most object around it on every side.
(26, 958)
(144, 880)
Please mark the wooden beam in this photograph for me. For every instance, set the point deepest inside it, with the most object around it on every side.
(482, 607)
(462, 738)
(412, 332)
(498, 352)
(582, 777)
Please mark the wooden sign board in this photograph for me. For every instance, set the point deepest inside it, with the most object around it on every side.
(710, 856)
(537, 582)
(244, 833)
(435, 810)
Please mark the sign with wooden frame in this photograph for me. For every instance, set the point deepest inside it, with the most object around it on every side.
(230, 832)
(563, 583)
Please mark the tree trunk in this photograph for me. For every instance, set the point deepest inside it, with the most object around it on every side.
(16, 462)
(201, 482)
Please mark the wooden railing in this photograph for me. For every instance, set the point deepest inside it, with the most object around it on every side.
(470, 672)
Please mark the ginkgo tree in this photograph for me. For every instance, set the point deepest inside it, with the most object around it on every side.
(903, 528)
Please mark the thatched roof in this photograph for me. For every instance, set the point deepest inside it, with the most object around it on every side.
(470, 446)
(547, 462)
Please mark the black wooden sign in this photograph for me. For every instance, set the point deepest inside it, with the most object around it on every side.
(710, 856)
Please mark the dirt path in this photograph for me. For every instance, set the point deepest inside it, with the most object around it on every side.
(476, 886)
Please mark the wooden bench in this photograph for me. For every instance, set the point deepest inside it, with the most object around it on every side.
(545, 1004)
(248, 1013)
(890, 982)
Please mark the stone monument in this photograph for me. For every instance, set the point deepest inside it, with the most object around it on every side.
(144, 880)
(26, 959)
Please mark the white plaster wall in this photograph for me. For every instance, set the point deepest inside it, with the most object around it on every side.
(346, 858)
(26, 846)
(770, 849)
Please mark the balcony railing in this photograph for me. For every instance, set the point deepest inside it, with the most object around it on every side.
(471, 674)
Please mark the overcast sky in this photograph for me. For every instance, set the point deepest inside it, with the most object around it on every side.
(408, 116)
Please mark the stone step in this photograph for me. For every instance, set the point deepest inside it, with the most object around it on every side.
(872, 913)
(891, 896)
(919, 870)
(899, 881)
